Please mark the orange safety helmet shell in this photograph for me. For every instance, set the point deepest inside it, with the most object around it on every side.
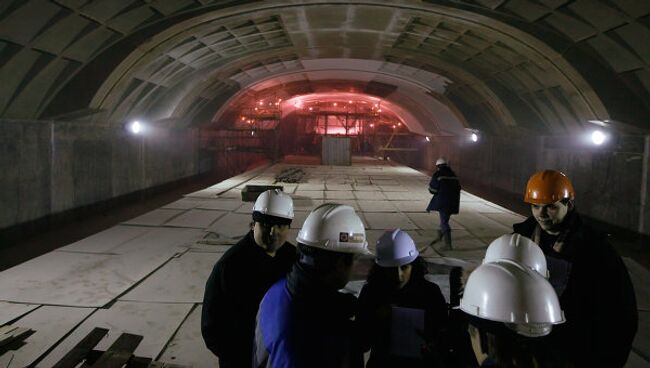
(548, 186)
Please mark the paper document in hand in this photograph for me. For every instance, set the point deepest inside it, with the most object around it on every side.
(405, 324)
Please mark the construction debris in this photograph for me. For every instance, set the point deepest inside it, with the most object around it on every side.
(290, 175)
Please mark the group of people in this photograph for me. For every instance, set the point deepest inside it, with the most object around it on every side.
(552, 294)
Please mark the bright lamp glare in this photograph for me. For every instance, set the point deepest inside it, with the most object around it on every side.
(598, 137)
(136, 127)
(428, 139)
(474, 137)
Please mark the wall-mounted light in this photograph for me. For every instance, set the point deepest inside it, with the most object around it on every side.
(598, 137)
(135, 127)
(428, 139)
(474, 137)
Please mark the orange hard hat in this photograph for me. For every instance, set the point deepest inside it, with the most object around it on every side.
(548, 186)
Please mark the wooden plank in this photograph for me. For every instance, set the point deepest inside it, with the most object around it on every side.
(79, 351)
(13, 333)
(120, 352)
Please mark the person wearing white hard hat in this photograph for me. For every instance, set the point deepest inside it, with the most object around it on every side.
(445, 187)
(511, 306)
(396, 280)
(303, 320)
(241, 277)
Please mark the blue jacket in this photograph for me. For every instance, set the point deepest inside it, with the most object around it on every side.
(295, 330)
(445, 188)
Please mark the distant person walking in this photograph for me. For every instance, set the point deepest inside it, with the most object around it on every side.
(445, 188)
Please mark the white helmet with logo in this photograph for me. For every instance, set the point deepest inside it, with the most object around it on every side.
(508, 292)
(276, 203)
(519, 249)
(395, 248)
(334, 227)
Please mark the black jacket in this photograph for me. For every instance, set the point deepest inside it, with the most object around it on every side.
(445, 187)
(233, 292)
(595, 292)
(375, 327)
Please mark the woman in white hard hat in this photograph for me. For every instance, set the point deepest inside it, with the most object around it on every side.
(397, 300)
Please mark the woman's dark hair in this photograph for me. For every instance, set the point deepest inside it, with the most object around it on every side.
(385, 275)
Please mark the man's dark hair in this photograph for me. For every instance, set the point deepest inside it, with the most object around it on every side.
(321, 259)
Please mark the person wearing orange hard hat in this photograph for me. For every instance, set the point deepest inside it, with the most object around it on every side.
(589, 277)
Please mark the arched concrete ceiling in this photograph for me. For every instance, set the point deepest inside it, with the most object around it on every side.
(543, 65)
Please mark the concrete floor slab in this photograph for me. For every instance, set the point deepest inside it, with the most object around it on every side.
(383, 221)
(505, 219)
(11, 311)
(374, 195)
(393, 188)
(641, 344)
(431, 221)
(311, 186)
(107, 240)
(232, 225)
(187, 347)
(406, 196)
(160, 239)
(480, 207)
(481, 226)
(188, 203)
(338, 195)
(338, 187)
(80, 279)
(181, 280)
(221, 204)
(376, 206)
(199, 219)
(411, 206)
(305, 204)
(312, 194)
(155, 217)
(156, 322)
(50, 324)
(231, 194)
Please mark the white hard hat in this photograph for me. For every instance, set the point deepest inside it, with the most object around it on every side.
(395, 248)
(441, 161)
(508, 292)
(334, 227)
(517, 248)
(274, 202)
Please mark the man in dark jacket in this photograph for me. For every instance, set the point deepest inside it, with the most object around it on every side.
(590, 278)
(303, 320)
(242, 276)
(445, 188)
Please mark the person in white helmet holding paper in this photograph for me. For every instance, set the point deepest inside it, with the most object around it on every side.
(511, 306)
(396, 288)
(303, 320)
(242, 276)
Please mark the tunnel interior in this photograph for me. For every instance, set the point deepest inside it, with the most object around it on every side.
(130, 117)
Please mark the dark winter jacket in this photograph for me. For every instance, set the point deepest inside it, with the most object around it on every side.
(445, 188)
(233, 292)
(375, 326)
(595, 293)
(303, 324)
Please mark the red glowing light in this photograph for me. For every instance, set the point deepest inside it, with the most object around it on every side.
(394, 126)
(372, 125)
(334, 103)
(350, 101)
(379, 110)
(243, 118)
(399, 124)
(311, 108)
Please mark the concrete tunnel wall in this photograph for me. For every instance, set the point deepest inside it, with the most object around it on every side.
(49, 167)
